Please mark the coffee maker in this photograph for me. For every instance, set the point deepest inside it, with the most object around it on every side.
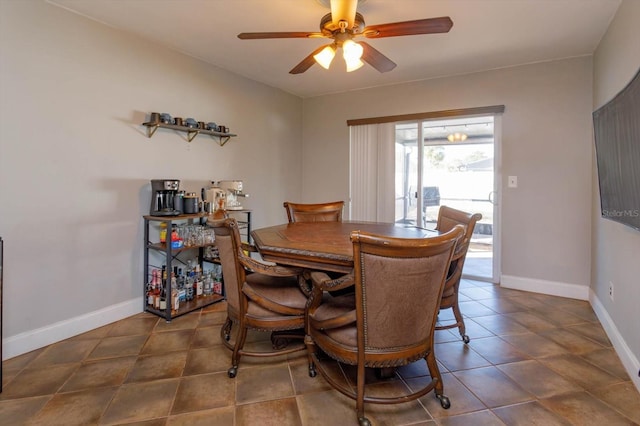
(163, 194)
(233, 190)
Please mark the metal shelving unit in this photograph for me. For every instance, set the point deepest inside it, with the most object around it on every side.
(170, 256)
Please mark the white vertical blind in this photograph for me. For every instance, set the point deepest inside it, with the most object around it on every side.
(372, 170)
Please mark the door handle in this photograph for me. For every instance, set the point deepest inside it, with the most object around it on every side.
(492, 196)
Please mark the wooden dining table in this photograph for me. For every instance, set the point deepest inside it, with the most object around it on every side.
(323, 246)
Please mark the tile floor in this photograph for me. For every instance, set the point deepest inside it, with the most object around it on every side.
(532, 359)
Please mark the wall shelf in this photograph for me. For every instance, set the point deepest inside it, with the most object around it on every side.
(222, 138)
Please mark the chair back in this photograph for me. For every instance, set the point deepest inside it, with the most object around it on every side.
(321, 212)
(229, 248)
(399, 284)
(449, 217)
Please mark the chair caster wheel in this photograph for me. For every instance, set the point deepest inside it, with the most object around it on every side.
(279, 343)
(363, 421)
(444, 401)
(465, 339)
(385, 373)
(232, 372)
(312, 371)
(227, 337)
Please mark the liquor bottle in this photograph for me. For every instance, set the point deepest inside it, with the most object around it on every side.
(175, 302)
(151, 287)
(180, 279)
(189, 287)
(156, 288)
(199, 283)
(217, 281)
(163, 289)
(207, 288)
(150, 293)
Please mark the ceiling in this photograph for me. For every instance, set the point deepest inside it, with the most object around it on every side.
(486, 34)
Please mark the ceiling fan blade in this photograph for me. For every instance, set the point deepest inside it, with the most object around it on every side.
(376, 59)
(343, 10)
(257, 36)
(419, 26)
(307, 62)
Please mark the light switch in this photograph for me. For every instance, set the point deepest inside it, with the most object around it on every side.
(513, 181)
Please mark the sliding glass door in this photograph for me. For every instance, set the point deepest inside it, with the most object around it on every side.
(450, 162)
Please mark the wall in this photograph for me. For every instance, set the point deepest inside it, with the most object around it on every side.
(75, 163)
(546, 142)
(616, 248)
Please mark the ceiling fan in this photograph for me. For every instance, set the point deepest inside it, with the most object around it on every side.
(343, 25)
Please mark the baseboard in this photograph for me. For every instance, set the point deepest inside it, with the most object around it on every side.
(38, 338)
(628, 359)
(553, 288)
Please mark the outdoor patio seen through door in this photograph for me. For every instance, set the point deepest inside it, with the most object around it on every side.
(454, 166)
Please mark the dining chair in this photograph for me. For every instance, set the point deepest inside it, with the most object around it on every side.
(398, 285)
(447, 219)
(320, 212)
(260, 296)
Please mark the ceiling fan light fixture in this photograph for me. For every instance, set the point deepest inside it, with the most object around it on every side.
(353, 65)
(457, 137)
(352, 52)
(325, 56)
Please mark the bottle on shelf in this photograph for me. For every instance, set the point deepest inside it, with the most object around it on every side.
(189, 282)
(163, 289)
(163, 232)
(217, 280)
(148, 292)
(189, 288)
(151, 287)
(198, 284)
(180, 279)
(182, 293)
(175, 302)
(157, 277)
(207, 289)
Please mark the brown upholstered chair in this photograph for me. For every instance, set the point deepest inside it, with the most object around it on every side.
(322, 212)
(259, 296)
(448, 218)
(398, 285)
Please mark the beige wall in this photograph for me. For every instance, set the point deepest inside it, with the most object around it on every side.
(75, 162)
(546, 142)
(616, 248)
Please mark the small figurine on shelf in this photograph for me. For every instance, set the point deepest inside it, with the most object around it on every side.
(176, 241)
